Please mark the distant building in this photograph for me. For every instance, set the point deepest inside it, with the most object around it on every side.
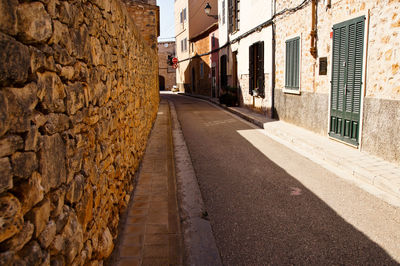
(201, 71)
(167, 74)
(190, 22)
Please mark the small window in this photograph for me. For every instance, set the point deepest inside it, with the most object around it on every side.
(184, 14)
(292, 64)
(213, 41)
(201, 70)
(181, 17)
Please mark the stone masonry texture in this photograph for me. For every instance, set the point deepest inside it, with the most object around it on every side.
(78, 97)
(381, 96)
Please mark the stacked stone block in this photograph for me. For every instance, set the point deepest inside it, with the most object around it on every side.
(147, 19)
(78, 96)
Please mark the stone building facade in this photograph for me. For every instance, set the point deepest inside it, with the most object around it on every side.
(167, 74)
(78, 97)
(328, 66)
(354, 66)
(147, 18)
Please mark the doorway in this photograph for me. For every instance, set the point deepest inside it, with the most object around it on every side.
(346, 84)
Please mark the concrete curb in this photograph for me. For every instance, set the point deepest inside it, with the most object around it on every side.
(199, 242)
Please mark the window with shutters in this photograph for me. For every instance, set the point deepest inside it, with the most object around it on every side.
(233, 8)
(292, 65)
(256, 69)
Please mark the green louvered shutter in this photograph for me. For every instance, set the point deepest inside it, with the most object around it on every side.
(292, 64)
(251, 69)
(347, 60)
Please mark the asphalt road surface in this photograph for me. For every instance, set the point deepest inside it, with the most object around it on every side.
(269, 205)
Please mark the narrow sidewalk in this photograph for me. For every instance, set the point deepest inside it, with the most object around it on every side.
(151, 234)
(369, 172)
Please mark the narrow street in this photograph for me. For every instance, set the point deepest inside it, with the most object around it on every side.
(270, 205)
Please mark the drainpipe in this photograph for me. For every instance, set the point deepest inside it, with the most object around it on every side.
(313, 33)
(273, 62)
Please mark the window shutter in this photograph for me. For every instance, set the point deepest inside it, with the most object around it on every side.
(260, 68)
(296, 44)
(237, 12)
(230, 16)
(292, 64)
(251, 69)
(354, 69)
(287, 62)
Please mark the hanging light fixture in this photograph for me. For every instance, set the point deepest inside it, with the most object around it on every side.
(207, 10)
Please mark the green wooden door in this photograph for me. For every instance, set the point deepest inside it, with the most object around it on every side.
(346, 83)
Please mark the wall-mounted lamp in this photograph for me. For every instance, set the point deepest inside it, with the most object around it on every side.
(207, 9)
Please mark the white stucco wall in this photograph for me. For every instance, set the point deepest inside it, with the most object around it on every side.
(182, 32)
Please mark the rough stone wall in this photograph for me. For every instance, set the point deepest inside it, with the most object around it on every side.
(164, 70)
(147, 19)
(382, 70)
(310, 108)
(78, 95)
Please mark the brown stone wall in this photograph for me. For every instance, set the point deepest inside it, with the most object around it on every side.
(164, 70)
(147, 19)
(78, 96)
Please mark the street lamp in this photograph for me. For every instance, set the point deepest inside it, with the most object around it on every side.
(207, 9)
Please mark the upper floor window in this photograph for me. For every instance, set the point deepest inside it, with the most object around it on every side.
(184, 45)
(223, 12)
(182, 15)
(233, 7)
(213, 41)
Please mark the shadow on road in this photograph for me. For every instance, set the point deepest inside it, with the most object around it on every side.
(259, 213)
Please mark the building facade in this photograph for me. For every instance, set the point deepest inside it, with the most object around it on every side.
(186, 12)
(328, 66)
(337, 72)
(167, 74)
(200, 66)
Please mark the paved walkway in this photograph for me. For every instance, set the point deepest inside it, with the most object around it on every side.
(151, 233)
(371, 173)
